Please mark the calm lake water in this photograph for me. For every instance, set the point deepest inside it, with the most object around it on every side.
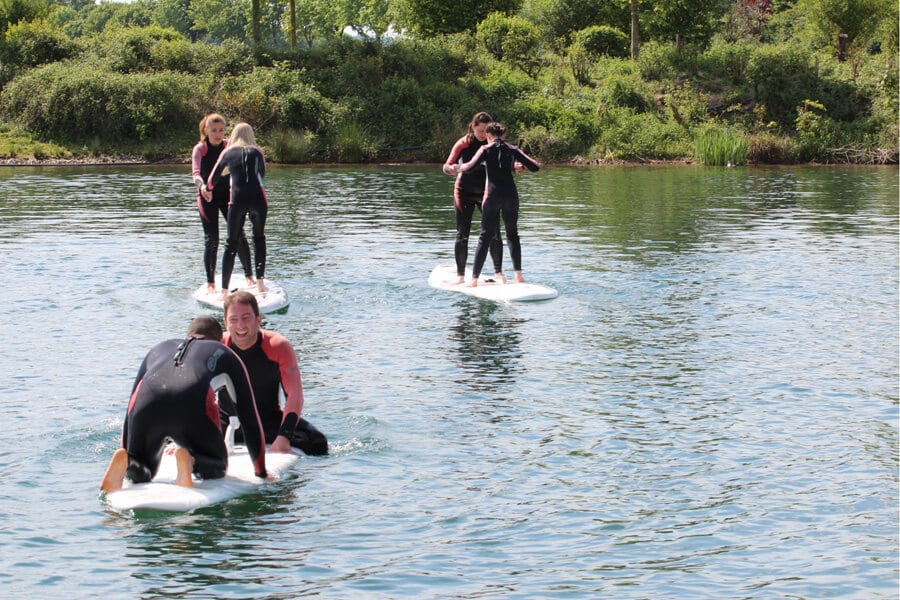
(708, 410)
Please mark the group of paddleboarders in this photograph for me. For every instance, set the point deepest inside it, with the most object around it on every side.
(484, 164)
(186, 390)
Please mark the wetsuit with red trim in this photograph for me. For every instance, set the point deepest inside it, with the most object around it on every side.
(501, 197)
(174, 397)
(272, 365)
(203, 159)
(247, 167)
(468, 192)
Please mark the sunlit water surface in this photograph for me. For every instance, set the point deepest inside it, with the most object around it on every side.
(709, 409)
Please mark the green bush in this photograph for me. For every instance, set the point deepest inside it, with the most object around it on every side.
(569, 130)
(627, 135)
(290, 146)
(601, 40)
(622, 92)
(656, 62)
(200, 58)
(512, 39)
(65, 101)
(780, 78)
(32, 43)
(131, 49)
(727, 61)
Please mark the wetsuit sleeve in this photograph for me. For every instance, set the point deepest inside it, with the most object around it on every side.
(530, 164)
(217, 170)
(246, 408)
(281, 351)
(262, 163)
(455, 153)
(196, 158)
(474, 162)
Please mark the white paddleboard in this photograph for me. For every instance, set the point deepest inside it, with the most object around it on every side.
(163, 494)
(444, 276)
(271, 300)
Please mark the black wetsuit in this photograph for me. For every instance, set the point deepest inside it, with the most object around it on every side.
(468, 192)
(204, 158)
(501, 196)
(247, 167)
(174, 397)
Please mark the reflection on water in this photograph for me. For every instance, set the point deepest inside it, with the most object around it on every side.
(709, 409)
(487, 341)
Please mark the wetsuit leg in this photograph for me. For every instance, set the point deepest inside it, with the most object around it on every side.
(309, 439)
(243, 251)
(147, 439)
(237, 215)
(511, 223)
(258, 219)
(463, 229)
(209, 218)
(490, 223)
(205, 443)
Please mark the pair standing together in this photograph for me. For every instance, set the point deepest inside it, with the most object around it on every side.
(484, 165)
(236, 197)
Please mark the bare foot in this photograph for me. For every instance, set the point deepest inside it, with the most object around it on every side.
(260, 285)
(499, 277)
(223, 295)
(185, 463)
(250, 281)
(519, 278)
(473, 283)
(115, 472)
(459, 279)
(210, 288)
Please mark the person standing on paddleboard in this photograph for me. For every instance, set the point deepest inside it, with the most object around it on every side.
(246, 165)
(210, 202)
(271, 362)
(174, 398)
(468, 192)
(501, 196)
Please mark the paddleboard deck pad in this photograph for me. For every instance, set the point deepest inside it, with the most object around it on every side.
(443, 277)
(162, 493)
(271, 300)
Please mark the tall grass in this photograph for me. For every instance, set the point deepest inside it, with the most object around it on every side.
(717, 147)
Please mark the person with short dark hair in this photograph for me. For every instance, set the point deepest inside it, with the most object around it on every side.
(174, 398)
(272, 365)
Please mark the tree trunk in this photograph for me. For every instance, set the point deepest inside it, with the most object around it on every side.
(293, 24)
(254, 26)
(635, 35)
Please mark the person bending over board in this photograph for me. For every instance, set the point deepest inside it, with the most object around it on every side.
(501, 196)
(174, 397)
(468, 192)
(272, 365)
(210, 203)
(246, 166)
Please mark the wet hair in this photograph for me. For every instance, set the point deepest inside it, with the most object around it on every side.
(210, 118)
(242, 135)
(241, 297)
(496, 129)
(478, 119)
(205, 328)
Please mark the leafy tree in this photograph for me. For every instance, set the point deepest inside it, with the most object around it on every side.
(429, 17)
(174, 14)
(558, 19)
(846, 22)
(684, 20)
(15, 11)
(220, 20)
(510, 38)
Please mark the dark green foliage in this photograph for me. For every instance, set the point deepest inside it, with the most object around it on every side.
(601, 40)
(77, 102)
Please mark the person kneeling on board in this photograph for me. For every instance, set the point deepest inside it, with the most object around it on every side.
(174, 398)
(272, 365)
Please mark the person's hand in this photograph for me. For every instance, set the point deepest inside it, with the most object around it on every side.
(206, 193)
(281, 444)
